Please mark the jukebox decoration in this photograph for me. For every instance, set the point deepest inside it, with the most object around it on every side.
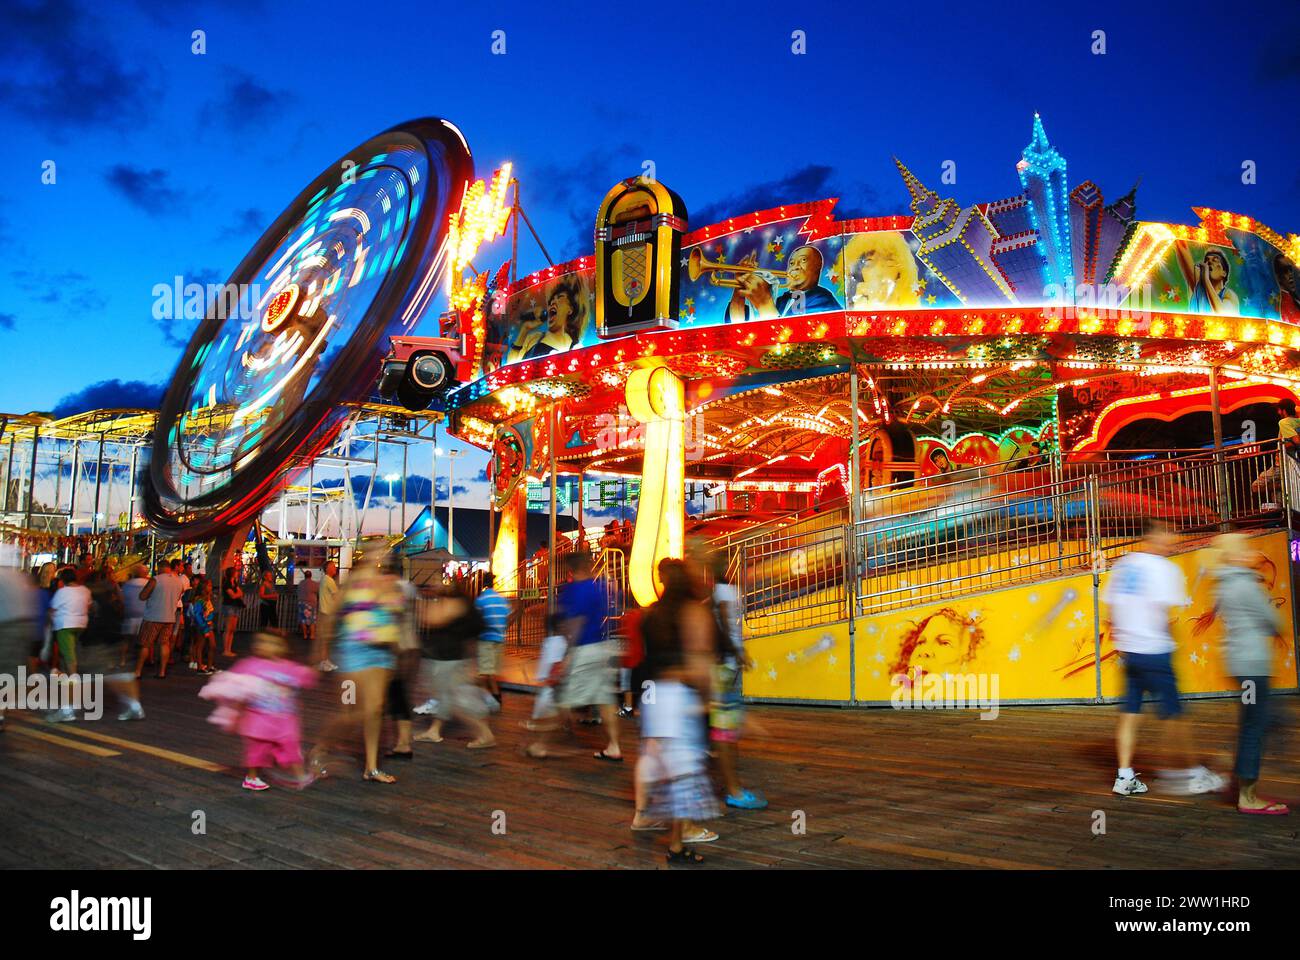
(639, 229)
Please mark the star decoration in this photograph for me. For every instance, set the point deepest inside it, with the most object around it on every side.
(931, 299)
(831, 660)
(1013, 654)
(771, 673)
(790, 657)
(1194, 658)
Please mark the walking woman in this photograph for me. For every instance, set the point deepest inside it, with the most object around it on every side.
(679, 640)
(448, 635)
(232, 605)
(1250, 622)
(269, 597)
(369, 631)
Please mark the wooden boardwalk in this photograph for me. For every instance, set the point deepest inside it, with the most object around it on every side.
(878, 788)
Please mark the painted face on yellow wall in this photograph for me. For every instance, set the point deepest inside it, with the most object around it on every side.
(940, 646)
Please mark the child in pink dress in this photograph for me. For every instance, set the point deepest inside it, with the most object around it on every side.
(268, 720)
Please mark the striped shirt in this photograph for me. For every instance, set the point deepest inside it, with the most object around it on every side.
(495, 610)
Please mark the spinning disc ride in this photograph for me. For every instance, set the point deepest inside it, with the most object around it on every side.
(356, 258)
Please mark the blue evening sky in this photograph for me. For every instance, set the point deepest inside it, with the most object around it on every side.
(169, 163)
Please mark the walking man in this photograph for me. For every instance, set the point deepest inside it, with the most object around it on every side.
(1141, 593)
(160, 595)
(495, 610)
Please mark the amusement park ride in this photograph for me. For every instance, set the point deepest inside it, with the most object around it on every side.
(782, 359)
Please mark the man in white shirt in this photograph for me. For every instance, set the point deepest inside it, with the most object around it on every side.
(161, 595)
(69, 614)
(1141, 594)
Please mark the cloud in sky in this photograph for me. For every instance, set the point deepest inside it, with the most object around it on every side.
(245, 104)
(62, 72)
(148, 190)
(110, 394)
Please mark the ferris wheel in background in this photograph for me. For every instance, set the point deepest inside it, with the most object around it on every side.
(357, 257)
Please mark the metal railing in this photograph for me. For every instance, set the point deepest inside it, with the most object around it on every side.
(918, 542)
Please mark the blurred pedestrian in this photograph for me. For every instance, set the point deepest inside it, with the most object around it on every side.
(203, 617)
(1250, 623)
(674, 779)
(327, 605)
(308, 601)
(1141, 593)
(160, 594)
(495, 611)
(268, 597)
(369, 630)
(69, 615)
(727, 706)
(451, 629)
(232, 606)
(405, 679)
(591, 664)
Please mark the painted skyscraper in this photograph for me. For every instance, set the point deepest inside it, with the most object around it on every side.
(1097, 231)
(956, 244)
(1017, 250)
(1042, 174)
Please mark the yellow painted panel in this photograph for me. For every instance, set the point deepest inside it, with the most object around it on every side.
(810, 664)
(1037, 640)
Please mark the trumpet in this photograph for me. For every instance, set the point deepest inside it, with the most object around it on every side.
(697, 266)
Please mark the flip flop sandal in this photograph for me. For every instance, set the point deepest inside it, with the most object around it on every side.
(480, 744)
(535, 754)
(703, 836)
(602, 755)
(378, 776)
(1274, 809)
(653, 825)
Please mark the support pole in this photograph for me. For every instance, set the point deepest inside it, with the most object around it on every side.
(550, 563)
(9, 474)
(130, 503)
(72, 496)
(405, 450)
(31, 476)
(1220, 465)
(851, 569)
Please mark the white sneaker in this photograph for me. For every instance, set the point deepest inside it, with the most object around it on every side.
(327, 666)
(194, 664)
(492, 705)
(65, 715)
(1205, 781)
(1129, 786)
(426, 708)
(255, 783)
(134, 713)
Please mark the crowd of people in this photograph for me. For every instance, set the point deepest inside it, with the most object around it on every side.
(678, 664)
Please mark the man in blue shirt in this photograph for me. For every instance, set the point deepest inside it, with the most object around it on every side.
(589, 670)
(495, 610)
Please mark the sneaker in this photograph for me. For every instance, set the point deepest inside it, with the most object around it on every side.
(255, 783)
(1205, 781)
(746, 800)
(134, 713)
(1127, 787)
(327, 666)
(624, 712)
(426, 708)
(492, 703)
(65, 715)
(194, 664)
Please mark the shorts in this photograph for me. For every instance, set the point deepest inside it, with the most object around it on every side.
(306, 613)
(66, 639)
(727, 706)
(152, 633)
(1151, 673)
(589, 680)
(451, 686)
(272, 753)
(489, 658)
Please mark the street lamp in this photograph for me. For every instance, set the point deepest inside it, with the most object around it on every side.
(451, 495)
(391, 478)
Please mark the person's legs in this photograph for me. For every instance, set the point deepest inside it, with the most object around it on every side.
(66, 641)
(228, 640)
(371, 685)
(1250, 741)
(609, 717)
(165, 638)
(1126, 739)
